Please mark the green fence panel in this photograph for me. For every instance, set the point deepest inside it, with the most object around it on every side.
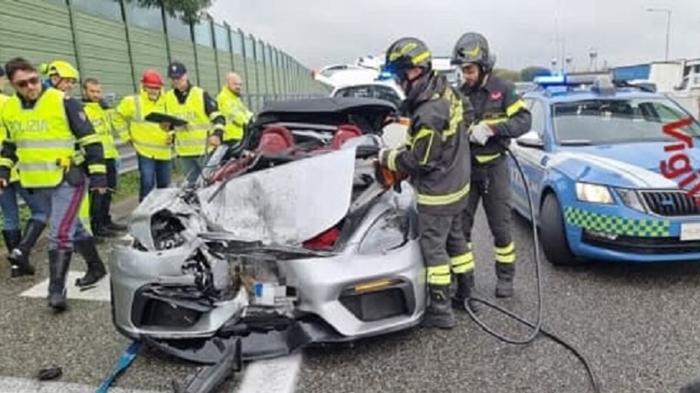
(36, 30)
(104, 52)
(223, 52)
(238, 66)
(263, 88)
(206, 57)
(207, 69)
(148, 50)
(181, 47)
(183, 52)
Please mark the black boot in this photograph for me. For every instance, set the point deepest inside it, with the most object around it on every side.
(439, 312)
(95, 268)
(19, 257)
(12, 239)
(108, 223)
(505, 273)
(465, 286)
(59, 261)
(98, 218)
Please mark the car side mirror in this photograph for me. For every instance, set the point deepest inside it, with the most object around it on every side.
(531, 139)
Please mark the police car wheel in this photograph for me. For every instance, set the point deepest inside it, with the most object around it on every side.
(553, 233)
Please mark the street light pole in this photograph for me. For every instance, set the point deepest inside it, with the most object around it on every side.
(668, 24)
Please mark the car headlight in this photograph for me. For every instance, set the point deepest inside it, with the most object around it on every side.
(593, 193)
(631, 199)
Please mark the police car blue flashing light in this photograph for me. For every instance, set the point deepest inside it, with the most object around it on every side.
(385, 75)
(550, 80)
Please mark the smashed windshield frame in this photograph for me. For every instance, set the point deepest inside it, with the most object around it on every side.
(617, 120)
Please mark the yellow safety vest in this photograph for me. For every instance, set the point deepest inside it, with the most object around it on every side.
(43, 137)
(14, 176)
(148, 138)
(237, 115)
(191, 140)
(102, 122)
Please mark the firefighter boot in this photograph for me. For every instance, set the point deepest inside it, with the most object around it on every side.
(439, 313)
(59, 261)
(19, 257)
(95, 268)
(465, 286)
(505, 273)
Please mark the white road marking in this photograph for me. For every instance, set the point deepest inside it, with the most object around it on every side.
(99, 293)
(275, 375)
(22, 385)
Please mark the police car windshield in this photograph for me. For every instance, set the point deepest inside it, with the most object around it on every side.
(607, 121)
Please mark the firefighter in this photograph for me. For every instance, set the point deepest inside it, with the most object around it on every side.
(436, 157)
(63, 76)
(500, 114)
(195, 105)
(232, 106)
(12, 234)
(100, 116)
(153, 145)
(43, 126)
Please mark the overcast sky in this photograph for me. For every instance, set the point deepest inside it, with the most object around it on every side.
(521, 32)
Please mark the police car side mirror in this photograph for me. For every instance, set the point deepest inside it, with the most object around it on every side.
(531, 139)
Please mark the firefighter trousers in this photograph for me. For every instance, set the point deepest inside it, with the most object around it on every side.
(491, 184)
(443, 246)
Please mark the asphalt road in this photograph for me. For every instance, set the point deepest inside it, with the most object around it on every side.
(638, 326)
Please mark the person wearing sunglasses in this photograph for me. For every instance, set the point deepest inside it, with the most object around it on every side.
(18, 245)
(436, 157)
(42, 127)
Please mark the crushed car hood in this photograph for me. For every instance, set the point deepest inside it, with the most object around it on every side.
(284, 205)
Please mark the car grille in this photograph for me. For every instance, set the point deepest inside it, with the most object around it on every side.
(671, 203)
(643, 245)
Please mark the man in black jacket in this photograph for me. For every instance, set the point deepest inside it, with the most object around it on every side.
(500, 114)
(436, 157)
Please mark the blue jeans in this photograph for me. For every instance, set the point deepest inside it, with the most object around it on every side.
(64, 203)
(192, 167)
(10, 209)
(153, 173)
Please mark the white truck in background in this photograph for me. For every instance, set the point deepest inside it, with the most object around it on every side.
(687, 92)
(679, 80)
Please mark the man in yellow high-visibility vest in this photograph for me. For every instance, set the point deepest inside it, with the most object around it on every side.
(63, 76)
(205, 124)
(42, 126)
(11, 232)
(100, 116)
(232, 106)
(153, 145)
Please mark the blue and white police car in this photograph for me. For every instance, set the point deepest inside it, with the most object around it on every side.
(611, 170)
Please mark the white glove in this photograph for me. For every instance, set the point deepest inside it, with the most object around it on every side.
(383, 155)
(480, 134)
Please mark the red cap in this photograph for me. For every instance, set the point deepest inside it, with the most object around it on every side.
(151, 78)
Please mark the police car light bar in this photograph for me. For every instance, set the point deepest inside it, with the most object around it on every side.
(550, 80)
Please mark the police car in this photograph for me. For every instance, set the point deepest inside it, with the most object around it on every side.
(611, 170)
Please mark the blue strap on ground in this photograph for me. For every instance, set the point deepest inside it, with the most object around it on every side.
(122, 364)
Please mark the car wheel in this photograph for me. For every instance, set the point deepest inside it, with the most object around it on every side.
(553, 233)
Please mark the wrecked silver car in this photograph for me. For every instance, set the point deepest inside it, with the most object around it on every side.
(290, 242)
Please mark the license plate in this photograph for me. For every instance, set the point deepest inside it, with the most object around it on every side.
(690, 231)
